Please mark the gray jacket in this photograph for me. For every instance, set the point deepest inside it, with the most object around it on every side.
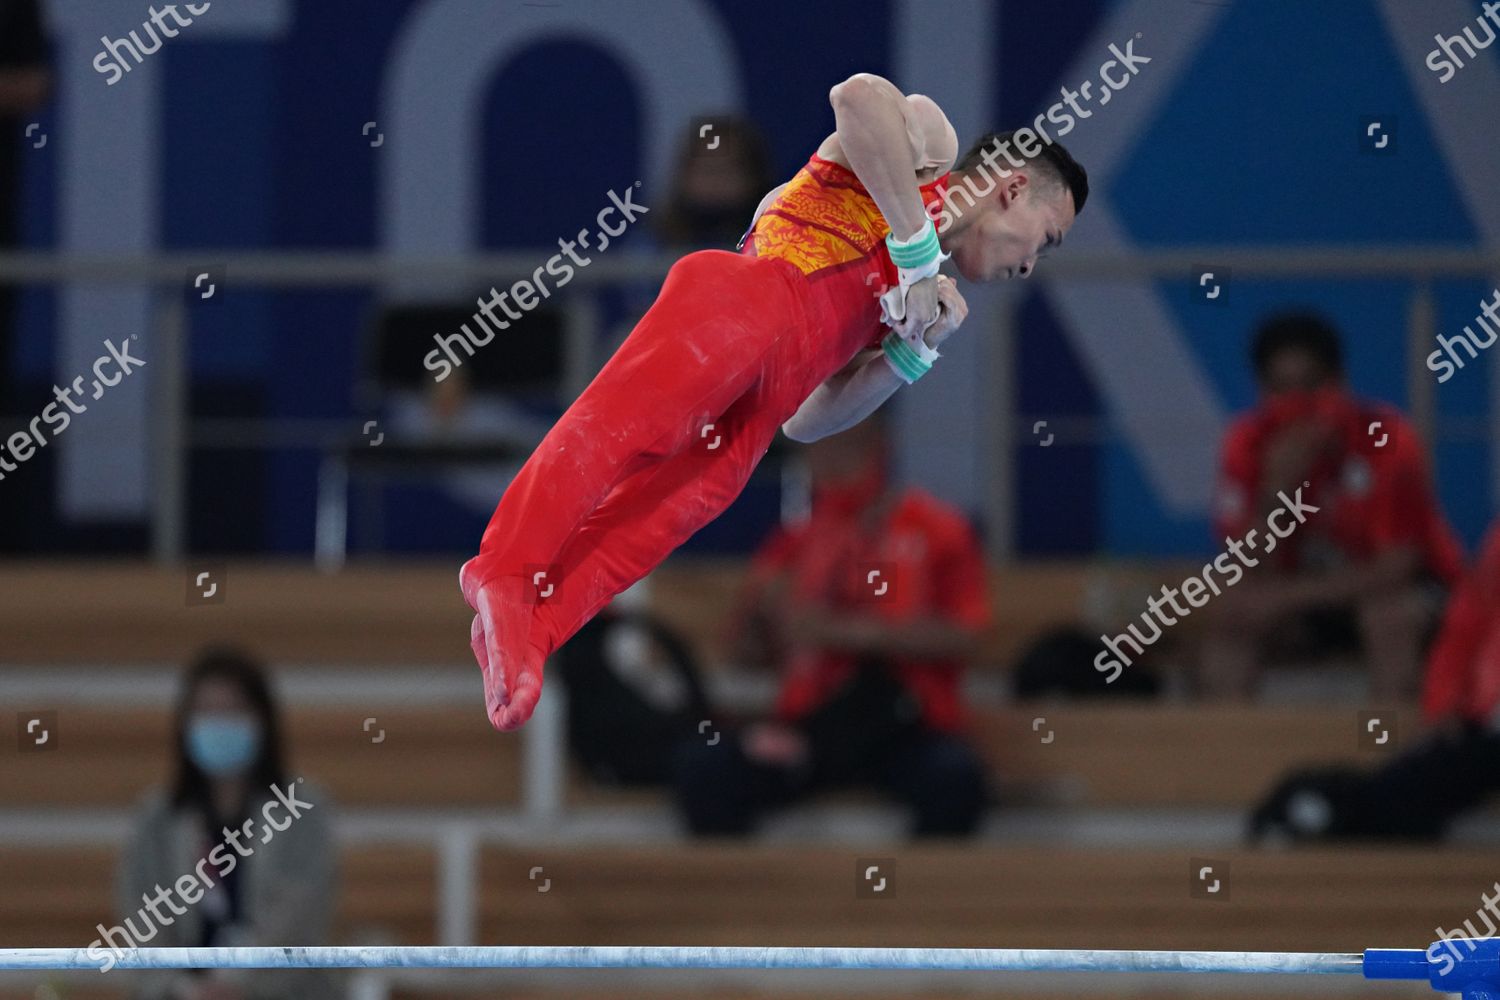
(286, 884)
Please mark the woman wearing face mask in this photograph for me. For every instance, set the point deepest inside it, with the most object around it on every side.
(237, 852)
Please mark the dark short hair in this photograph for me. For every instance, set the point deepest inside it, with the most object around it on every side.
(1297, 331)
(1054, 155)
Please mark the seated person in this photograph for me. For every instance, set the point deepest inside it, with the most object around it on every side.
(1450, 771)
(1458, 765)
(723, 170)
(241, 846)
(1365, 565)
(870, 606)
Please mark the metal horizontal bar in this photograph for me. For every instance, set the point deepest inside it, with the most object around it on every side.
(655, 957)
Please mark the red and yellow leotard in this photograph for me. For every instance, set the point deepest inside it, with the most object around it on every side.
(667, 434)
(825, 224)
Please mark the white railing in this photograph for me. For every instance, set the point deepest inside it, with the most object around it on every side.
(172, 438)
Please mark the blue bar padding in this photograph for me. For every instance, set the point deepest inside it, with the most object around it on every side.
(1395, 963)
(1470, 966)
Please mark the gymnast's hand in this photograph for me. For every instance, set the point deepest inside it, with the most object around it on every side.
(952, 311)
(920, 308)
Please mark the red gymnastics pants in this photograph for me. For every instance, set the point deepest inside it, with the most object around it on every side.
(661, 441)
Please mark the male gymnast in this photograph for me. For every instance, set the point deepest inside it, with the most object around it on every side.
(833, 303)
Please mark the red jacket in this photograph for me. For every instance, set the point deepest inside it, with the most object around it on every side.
(1373, 492)
(1463, 670)
(924, 560)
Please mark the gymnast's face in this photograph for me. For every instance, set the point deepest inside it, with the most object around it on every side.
(1006, 232)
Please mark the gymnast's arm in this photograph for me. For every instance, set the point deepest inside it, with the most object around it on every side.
(893, 142)
(845, 398)
(854, 392)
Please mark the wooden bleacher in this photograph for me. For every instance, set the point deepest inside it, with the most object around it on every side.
(971, 896)
(412, 614)
(697, 597)
(985, 896)
(54, 896)
(1165, 756)
(1137, 756)
(1142, 756)
(428, 758)
(131, 613)
(434, 759)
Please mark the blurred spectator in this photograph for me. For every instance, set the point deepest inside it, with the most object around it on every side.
(1458, 765)
(226, 822)
(24, 85)
(1463, 673)
(1366, 571)
(634, 692)
(722, 171)
(1451, 771)
(1059, 666)
(870, 607)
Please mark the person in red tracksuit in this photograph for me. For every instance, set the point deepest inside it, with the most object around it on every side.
(1462, 683)
(1451, 770)
(786, 334)
(1455, 767)
(869, 608)
(1368, 569)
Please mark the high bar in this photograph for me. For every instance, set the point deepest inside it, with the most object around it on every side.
(669, 957)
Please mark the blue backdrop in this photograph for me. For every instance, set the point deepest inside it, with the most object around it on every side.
(260, 147)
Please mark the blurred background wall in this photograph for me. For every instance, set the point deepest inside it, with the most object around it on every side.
(247, 134)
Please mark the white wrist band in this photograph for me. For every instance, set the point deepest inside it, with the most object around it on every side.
(893, 300)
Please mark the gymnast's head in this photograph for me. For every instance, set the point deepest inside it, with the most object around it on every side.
(1009, 201)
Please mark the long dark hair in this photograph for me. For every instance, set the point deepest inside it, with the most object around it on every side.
(191, 786)
(732, 136)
